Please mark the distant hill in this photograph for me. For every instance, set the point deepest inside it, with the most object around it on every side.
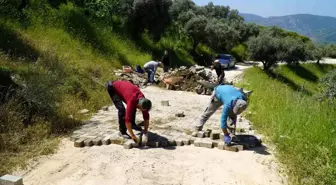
(318, 28)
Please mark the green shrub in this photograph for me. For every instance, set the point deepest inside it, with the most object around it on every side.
(239, 53)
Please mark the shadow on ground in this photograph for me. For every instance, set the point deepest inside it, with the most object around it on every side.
(13, 45)
(289, 82)
(303, 73)
(156, 141)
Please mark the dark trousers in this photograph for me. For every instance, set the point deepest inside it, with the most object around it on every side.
(165, 68)
(118, 103)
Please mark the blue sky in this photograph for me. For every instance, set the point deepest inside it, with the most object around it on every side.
(267, 8)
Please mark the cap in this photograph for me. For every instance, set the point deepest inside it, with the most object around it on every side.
(240, 106)
(145, 103)
(216, 61)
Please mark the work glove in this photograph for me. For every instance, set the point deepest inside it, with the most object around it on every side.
(227, 139)
(233, 122)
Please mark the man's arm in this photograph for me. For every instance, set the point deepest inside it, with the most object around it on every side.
(224, 117)
(131, 106)
(145, 115)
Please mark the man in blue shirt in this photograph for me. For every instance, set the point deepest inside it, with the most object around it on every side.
(234, 103)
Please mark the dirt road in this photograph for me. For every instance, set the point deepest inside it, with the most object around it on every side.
(187, 165)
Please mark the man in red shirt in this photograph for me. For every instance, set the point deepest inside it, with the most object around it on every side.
(124, 91)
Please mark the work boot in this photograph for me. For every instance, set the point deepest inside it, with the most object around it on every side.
(198, 128)
(124, 135)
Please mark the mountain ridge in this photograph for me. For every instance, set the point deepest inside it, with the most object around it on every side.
(318, 28)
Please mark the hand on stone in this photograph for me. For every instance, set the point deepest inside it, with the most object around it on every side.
(135, 139)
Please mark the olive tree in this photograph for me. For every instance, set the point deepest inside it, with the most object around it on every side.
(264, 48)
(195, 28)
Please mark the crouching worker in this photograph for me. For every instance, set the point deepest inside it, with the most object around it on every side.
(234, 103)
(124, 91)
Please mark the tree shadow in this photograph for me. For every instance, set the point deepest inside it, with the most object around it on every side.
(303, 73)
(13, 45)
(324, 68)
(251, 143)
(289, 82)
(157, 141)
(262, 150)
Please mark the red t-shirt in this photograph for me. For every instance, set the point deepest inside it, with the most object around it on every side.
(130, 94)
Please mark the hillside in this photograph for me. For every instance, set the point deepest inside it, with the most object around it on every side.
(318, 28)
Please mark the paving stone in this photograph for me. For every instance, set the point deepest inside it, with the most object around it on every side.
(88, 136)
(231, 148)
(207, 133)
(214, 135)
(192, 140)
(171, 142)
(215, 143)
(106, 140)
(186, 141)
(165, 103)
(128, 144)
(97, 141)
(207, 143)
(197, 142)
(239, 147)
(221, 145)
(221, 136)
(11, 180)
(74, 137)
(179, 142)
(88, 142)
(194, 134)
(201, 134)
(117, 140)
(79, 132)
(79, 142)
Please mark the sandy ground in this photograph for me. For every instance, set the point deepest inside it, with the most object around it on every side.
(187, 165)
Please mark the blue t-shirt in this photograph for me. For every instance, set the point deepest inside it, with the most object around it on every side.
(227, 94)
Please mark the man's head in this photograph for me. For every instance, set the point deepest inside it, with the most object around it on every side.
(166, 52)
(144, 104)
(216, 61)
(160, 64)
(239, 106)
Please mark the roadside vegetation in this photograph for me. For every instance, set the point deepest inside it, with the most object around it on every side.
(51, 50)
(295, 108)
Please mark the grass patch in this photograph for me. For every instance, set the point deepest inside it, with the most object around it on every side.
(302, 129)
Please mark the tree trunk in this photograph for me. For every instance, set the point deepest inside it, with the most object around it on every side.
(318, 61)
(23, 4)
(194, 46)
(265, 65)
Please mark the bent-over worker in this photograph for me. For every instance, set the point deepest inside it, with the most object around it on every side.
(124, 91)
(151, 67)
(234, 104)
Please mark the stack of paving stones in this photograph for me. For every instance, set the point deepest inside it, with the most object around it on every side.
(11, 180)
(207, 139)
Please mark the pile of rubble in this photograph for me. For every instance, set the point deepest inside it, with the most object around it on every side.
(183, 78)
(186, 79)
